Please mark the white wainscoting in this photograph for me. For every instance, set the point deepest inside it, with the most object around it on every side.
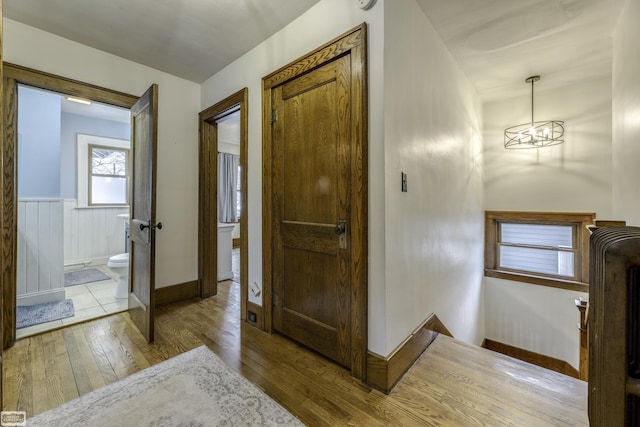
(91, 235)
(40, 276)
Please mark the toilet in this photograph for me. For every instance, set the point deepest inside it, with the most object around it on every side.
(119, 264)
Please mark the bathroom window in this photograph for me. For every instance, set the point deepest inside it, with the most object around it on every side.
(549, 249)
(103, 171)
(108, 175)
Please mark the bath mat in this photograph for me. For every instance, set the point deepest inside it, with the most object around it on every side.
(195, 388)
(81, 277)
(30, 315)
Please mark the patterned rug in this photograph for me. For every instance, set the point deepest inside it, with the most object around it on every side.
(29, 315)
(195, 388)
(81, 277)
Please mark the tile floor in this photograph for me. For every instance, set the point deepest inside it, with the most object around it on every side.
(90, 300)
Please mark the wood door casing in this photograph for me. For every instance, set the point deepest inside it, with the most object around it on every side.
(287, 242)
(208, 185)
(311, 152)
(144, 133)
(1, 220)
(12, 76)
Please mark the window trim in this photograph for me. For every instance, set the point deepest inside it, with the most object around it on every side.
(83, 142)
(90, 175)
(578, 220)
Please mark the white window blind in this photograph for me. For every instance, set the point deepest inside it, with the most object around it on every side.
(538, 248)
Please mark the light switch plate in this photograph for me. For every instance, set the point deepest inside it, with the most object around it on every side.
(255, 289)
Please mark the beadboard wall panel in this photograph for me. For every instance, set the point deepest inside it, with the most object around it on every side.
(40, 276)
(92, 235)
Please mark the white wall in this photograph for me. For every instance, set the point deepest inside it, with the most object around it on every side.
(573, 177)
(626, 115)
(177, 187)
(39, 276)
(320, 24)
(433, 232)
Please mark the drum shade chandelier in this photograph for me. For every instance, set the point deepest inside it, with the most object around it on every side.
(534, 134)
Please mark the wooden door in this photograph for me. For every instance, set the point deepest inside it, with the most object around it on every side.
(2, 243)
(144, 131)
(312, 156)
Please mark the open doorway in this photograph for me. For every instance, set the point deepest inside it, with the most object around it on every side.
(223, 219)
(14, 77)
(72, 209)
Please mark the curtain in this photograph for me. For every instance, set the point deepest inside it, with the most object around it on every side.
(227, 187)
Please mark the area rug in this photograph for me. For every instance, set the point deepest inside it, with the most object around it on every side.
(195, 388)
(81, 277)
(30, 315)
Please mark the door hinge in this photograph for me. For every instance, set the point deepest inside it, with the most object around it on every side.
(274, 299)
(274, 116)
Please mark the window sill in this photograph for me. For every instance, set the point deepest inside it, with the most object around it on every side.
(103, 207)
(569, 285)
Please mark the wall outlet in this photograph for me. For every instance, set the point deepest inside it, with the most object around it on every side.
(251, 316)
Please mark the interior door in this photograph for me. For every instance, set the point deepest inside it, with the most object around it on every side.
(2, 326)
(311, 205)
(144, 132)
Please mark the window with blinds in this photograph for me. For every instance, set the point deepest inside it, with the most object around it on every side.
(542, 248)
(538, 248)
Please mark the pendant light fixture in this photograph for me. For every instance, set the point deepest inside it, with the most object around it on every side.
(534, 134)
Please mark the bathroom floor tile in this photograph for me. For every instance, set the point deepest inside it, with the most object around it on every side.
(72, 291)
(119, 305)
(103, 286)
(84, 301)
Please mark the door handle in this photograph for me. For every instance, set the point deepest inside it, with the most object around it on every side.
(152, 227)
(341, 227)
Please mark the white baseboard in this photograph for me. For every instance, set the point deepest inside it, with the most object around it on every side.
(226, 275)
(41, 297)
(79, 264)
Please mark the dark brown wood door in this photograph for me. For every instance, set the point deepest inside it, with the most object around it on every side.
(2, 249)
(311, 151)
(144, 131)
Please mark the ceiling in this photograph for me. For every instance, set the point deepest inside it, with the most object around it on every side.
(498, 43)
(192, 39)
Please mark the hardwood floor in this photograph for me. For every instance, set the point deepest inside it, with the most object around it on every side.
(452, 384)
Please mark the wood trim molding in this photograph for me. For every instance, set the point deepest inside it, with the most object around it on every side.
(383, 373)
(12, 75)
(354, 42)
(208, 184)
(236, 243)
(175, 293)
(579, 221)
(531, 357)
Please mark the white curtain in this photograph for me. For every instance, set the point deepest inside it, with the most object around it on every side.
(227, 187)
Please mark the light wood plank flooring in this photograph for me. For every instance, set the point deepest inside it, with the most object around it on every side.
(452, 384)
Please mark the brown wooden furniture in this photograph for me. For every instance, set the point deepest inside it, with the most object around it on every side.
(614, 327)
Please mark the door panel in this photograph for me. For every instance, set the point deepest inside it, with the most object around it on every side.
(144, 132)
(311, 181)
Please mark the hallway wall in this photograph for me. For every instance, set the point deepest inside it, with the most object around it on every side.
(573, 177)
(626, 114)
(179, 104)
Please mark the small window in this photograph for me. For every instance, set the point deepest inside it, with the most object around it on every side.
(108, 175)
(543, 248)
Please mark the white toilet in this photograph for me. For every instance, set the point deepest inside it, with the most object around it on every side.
(119, 264)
